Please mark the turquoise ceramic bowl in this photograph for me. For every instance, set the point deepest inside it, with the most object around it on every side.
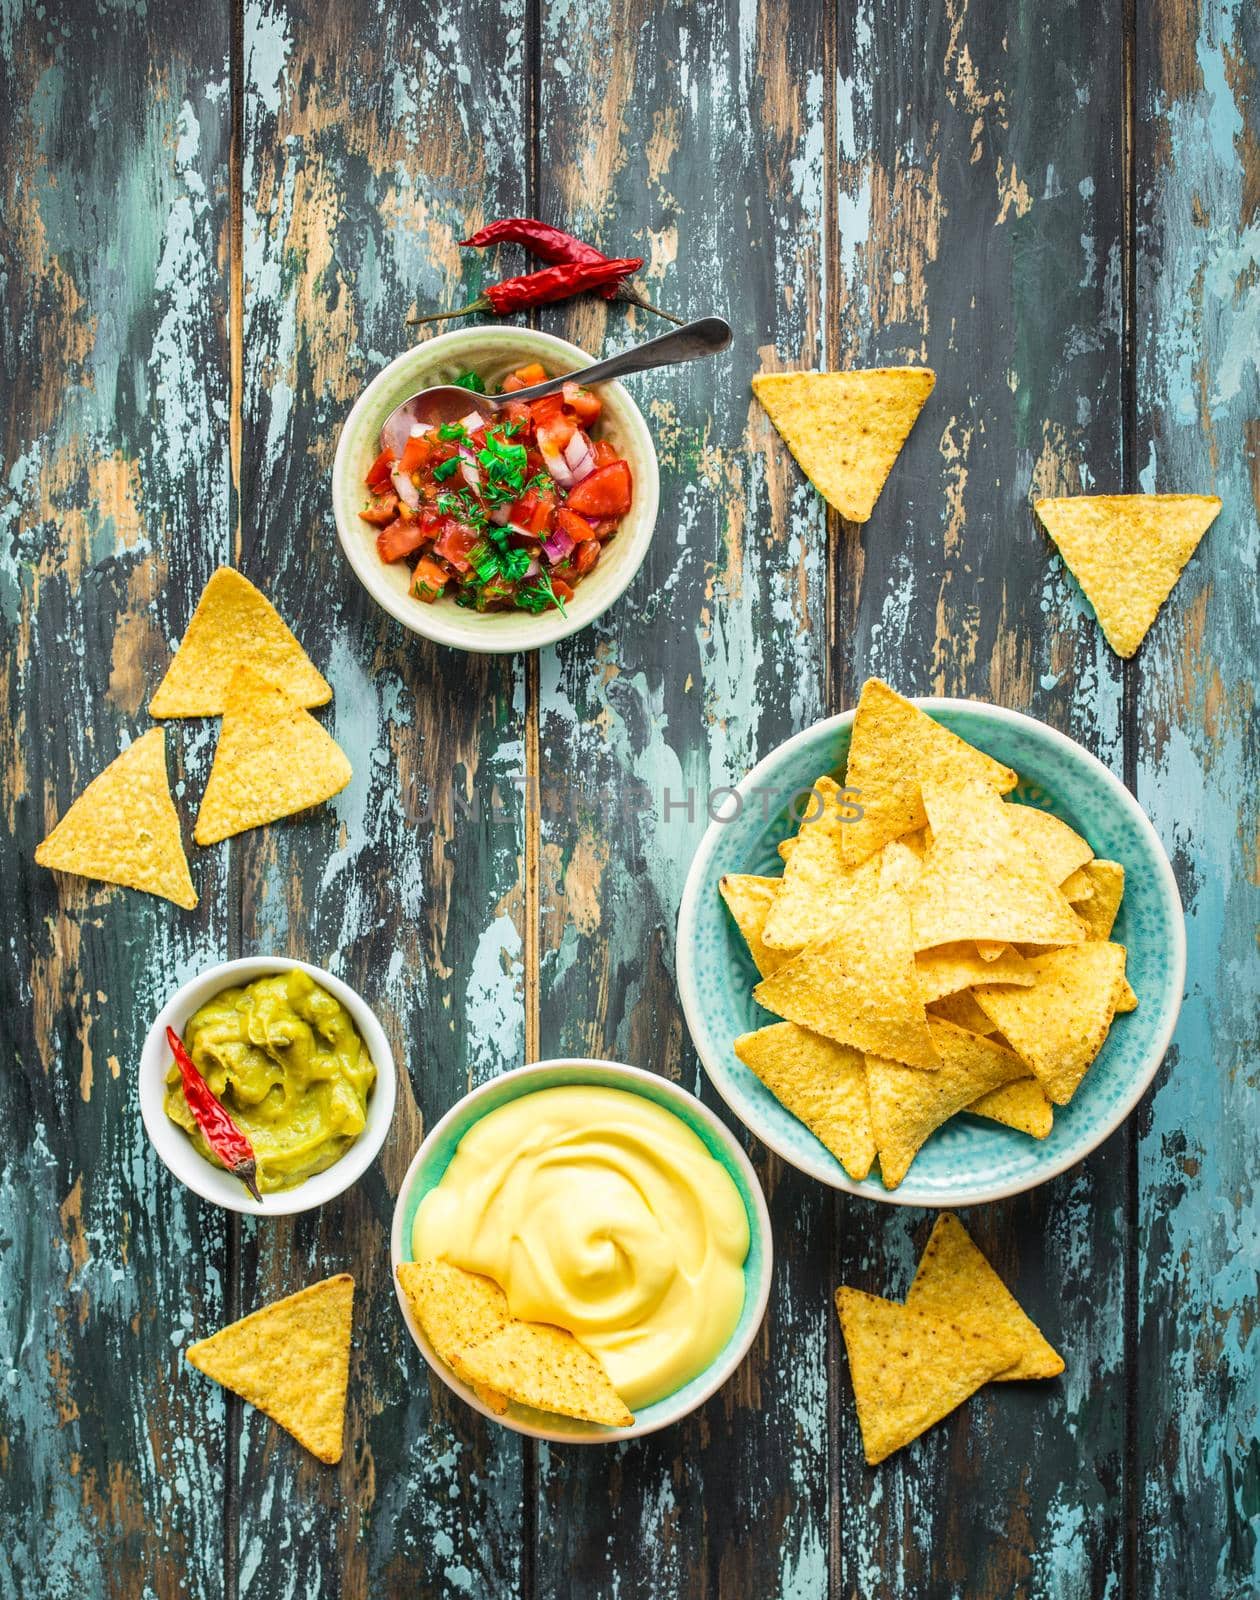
(434, 1156)
(968, 1161)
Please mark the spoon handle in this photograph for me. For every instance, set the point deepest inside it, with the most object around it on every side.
(704, 337)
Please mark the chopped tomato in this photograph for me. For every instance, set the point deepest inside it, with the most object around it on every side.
(553, 425)
(401, 538)
(525, 377)
(429, 579)
(382, 511)
(605, 454)
(584, 405)
(563, 590)
(379, 471)
(585, 555)
(577, 528)
(454, 543)
(533, 512)
(417, 453)
(605, 527)
(606, 493)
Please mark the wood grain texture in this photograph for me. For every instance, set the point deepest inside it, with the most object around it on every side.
(114, 507)
(1197, 1376)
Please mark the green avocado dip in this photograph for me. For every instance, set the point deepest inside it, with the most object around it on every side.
(286, 1061)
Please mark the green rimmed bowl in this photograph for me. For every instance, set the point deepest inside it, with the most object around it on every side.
(434, 1156)
(970, 1160)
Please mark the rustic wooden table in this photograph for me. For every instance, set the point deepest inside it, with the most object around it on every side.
(215, 223)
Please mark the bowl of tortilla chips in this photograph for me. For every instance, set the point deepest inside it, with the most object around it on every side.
(932, 952)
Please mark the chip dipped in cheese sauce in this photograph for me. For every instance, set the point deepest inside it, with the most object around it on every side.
(601, 1212)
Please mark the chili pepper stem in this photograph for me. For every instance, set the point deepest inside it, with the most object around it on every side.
(247, 1171)
(480, 304)
(632, 297)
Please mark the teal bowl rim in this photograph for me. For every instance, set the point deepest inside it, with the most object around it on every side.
(439, 1145)
(824, 1166)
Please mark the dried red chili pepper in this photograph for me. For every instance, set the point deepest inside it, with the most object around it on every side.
(221, 1133)
(542, 288)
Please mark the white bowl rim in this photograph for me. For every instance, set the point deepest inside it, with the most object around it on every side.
(177, 1151)
(835, 1177)
(721, 1368)
(532, 632)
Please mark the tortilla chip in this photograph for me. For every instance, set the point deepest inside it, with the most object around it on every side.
(899, 866)
(962, 1010)
(1098, 913)
(1126, 551)
(124, 829)
(895, 748)
(538, 1365)
(456, 1310)
(910, 1369)
(907, 1106)
(846, 428)
(817, 888)
(821, 1082)
(291, 1360)
(857, 985)
(272, 759)
(947, 968)
(748, 899)
(1128, 1000)
(1058, 848)
(785, 847)
(234, 624)
(979, 881)
(956, 1284)
(1059, 1025)
(1022, 1105)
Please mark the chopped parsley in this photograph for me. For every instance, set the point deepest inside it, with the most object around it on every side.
(471, 380)
(446, 469)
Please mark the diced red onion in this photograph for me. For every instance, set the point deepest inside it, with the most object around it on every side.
(499, 514)
(399, 426)
(533, 569)
(405, 488)
(557, 545)
(576, 448)
(472, 421)
(468, 466)
(556, 464)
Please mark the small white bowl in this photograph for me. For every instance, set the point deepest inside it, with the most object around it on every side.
(434, 1155)
(492, 351)
(177, 1149)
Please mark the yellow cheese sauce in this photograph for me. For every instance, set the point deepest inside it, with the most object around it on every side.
(601, 1212)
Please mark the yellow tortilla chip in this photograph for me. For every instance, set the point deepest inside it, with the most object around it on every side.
(1098, 913)
(1022, 1105)
(456, 1309)
(272, 759)
(821, 1082)
(895, 749)
(956, 1284)
(979, 881)
(234, 624)
(817, 889)
(961, 1009)
(846, 428)
(1128, 1000)
(1058, 848)
(124, 829)
(907, 1106)
(1126, 551)
(1058, 1025)
(899, 866)
(950, 967)
(748, 899)
(538, 1365)
(857, 985)
(291, 1360)
(910, 1369)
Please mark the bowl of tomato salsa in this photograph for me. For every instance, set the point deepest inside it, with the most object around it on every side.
(503, 534)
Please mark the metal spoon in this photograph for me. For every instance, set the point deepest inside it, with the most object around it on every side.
(447, 402)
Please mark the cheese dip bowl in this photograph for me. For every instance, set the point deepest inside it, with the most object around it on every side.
(607, 1200)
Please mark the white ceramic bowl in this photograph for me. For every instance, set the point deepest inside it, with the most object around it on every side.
(434, 1155)
(493, 351)
(177, 1149)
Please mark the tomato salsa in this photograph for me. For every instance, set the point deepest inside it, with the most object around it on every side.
(509, 513)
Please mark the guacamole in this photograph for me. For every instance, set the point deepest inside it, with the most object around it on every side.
(286, 1061)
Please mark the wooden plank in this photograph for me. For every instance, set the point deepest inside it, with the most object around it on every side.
(980, 226)
(1197, 1374)
(366, 133)
(113, 395)
(690, 136)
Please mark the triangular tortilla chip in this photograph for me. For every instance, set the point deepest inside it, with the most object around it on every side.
(956, 1284)
(818, 889)
(1128, 1000)
(272, 759)
(857, 985)
(124, 829)
(951, 967)
(1058, 848)
(748, 899)
(1022, 1105)
(821, 1082)
(907, 1106)
(1077, 887)
(910, 1369)
(1059, 1025)
(961, 1009)
(538, 1365)
(899, 865)
(291, 1360)
(1126, 551)
(1098, 913)
(233, 625)
(894, 749)
(846, 428)
(456, 1309)
(980, 882)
